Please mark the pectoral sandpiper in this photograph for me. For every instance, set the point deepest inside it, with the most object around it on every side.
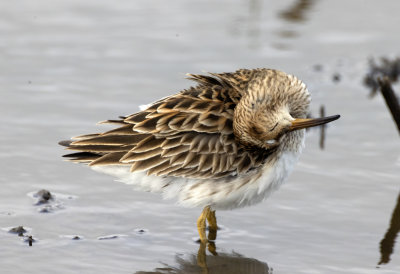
(226, 143)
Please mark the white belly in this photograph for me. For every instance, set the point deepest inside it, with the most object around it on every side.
(243, 191)
(240, 192)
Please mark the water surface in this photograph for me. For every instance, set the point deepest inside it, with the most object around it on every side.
(66, 65)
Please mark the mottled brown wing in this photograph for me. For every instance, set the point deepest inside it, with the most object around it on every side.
(185, 135)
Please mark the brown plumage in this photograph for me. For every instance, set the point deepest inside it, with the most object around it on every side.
(189, 134)
(227, 142)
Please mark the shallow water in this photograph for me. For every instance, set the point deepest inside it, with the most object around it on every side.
(68, 64)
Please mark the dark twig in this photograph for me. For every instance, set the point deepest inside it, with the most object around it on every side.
(391, 99)
(30, 240)
(388, 241)
(322, 136)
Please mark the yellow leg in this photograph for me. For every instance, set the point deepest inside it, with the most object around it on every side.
(201, 224)
(201, 257)
(212, 226)
(206, 215)
(212, 232)
(212, 248)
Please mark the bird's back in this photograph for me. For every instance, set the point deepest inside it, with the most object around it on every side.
(202, 145)
(186, 135)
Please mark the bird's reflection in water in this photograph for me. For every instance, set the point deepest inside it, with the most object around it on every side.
(208, 260)
(221, 263)
(388, 241)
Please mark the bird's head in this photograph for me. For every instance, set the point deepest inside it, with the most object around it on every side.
(273, 106)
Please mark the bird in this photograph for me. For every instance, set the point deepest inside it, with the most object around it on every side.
(226, 142)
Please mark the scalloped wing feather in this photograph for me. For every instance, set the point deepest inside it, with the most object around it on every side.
(188, 134)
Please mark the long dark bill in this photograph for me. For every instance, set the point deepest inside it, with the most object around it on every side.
(305, 123)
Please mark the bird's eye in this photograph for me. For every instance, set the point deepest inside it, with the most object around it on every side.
(252, 105)
(257, 130)
(273, 127)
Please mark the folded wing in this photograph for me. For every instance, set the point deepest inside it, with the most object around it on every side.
(185, 135)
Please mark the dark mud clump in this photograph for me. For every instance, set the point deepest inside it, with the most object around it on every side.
(47, 201)
(43, 197)
(387, 68)
(141, 231)
(20, 230)
(336, 77)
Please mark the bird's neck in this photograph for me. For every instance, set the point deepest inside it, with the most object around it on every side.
(292, 142)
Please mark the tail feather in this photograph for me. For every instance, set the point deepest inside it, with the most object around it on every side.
(65, 143)
(82, 157)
